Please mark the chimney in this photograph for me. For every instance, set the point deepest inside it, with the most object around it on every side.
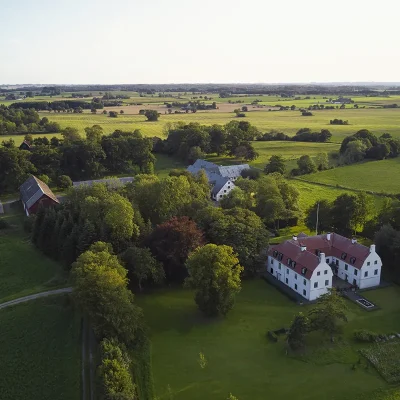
(328, 236)
(322, 257)
(354, 240)
(372, 248)
(294, 237)
(303, 247)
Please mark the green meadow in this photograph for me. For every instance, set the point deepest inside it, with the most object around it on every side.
(375, 176)
(40, 347)
(376, 120)
(241, 360)
(23, 269)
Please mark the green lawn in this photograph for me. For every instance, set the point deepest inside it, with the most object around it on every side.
(375, 176)
(242, 361)
(40, 347)
(23, 269)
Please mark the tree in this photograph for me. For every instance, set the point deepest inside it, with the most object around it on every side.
(343, 213)
(94, 133)
(172, 242)
(246, 151)
(297, 332)
(214, 273)
(121, 112)
(114, 372)
(100, 289)
(44, 178)
(239, 228)
(306, 165)
(142, 266)
(151, 115)
(330, 309)
(322, 161)
(276, 164)
(113, 114)
(64, 182)
(70, 135)
(355, 152)
(364, 208)
(194, 154)
(237, 198)
(324, 209)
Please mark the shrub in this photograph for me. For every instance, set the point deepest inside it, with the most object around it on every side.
(64, 182)
(44, 178)
(363, 335)
(29, 222)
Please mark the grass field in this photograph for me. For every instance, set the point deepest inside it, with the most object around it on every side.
(377, 120)
(40, 349)
(376, 176)
(310, 193)
(23, 269)
(241, 360)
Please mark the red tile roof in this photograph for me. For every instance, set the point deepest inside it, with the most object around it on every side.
(336, 246)
(303, 259)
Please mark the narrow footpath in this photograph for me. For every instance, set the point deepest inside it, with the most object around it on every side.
(35, 296)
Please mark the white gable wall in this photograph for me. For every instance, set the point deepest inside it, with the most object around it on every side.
(321, 280)
(370, 272)
(227, 188)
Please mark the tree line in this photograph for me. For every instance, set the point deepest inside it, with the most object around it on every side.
(60, 105)
(76, 157)
(365, 145)
(192, 141)
(302, 135)
(20, 120)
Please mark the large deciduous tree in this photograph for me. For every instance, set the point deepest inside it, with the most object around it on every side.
(276, 164)
(100, 288)
(239, 228)
(142, 266)
(330, 310)
(172, 242)
(214, 273)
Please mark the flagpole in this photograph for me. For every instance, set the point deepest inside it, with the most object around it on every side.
(316, 225)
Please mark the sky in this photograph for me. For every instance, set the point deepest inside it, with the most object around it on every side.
(202, 41)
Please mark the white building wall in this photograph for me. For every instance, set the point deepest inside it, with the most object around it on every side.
(227, 188)
(289, 277)
(372, 266)
(321, 279)
(370, 273)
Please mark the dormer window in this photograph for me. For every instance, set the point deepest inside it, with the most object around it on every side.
(317, 252)
(289, 262)
(352, 260)
(343, 256)
(303, 271)
(275, 253)
(293, 264)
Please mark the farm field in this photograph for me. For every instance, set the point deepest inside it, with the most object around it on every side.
(40, 348)
(377, 120)
(241, 360)
(23, 269)
(375, 176)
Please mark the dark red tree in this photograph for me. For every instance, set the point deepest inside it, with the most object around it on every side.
(172, 242)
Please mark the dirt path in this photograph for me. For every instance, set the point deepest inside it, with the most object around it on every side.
(35, 296)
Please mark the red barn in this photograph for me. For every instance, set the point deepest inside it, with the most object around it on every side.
(34, 192)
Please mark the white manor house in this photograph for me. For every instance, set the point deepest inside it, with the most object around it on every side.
(307, 264)
(221, 178)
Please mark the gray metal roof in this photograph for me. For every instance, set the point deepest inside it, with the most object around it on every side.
(233, 171)
(33, 189)
(109, 181)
